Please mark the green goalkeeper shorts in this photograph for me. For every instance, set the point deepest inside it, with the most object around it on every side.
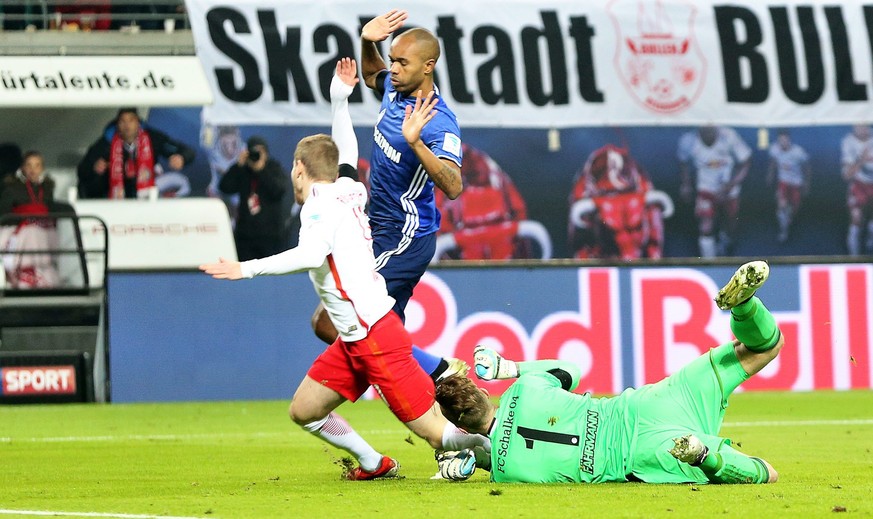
(692, 400)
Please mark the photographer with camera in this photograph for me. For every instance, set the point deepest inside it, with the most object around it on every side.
(260, 184)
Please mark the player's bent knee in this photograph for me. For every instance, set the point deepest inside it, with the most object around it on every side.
(430, 428)
(302, 415)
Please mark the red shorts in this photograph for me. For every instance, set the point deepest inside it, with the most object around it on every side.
(790, 193)
(384, 360)
(708, 205)
(860, 195)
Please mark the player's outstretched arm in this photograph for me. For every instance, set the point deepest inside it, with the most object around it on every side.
(224, 269)
(342, 131)
(490, 365)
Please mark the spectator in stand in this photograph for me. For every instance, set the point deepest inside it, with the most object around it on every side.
(122, 163)
(260, 183)
(149, 17)
(84, 15)
(30, 193)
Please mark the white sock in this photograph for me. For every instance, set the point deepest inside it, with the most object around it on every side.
(455, 439)
(853, 240)
(707, 246)
(336, 431)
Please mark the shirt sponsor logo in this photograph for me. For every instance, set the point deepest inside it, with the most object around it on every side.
(383, 144)
(586, 463)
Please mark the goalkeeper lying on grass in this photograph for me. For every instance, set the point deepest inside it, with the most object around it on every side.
(660, 433)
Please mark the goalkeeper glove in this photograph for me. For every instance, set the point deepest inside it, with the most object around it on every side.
(491, 366)
(457, 465)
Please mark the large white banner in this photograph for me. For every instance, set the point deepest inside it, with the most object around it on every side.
(162, 234)
(556, 64)
(97, 81)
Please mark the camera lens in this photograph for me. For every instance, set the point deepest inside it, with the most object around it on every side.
(254, 155)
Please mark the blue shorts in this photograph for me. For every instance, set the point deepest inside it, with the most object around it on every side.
(402, 261)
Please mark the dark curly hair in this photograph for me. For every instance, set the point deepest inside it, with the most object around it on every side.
(463, 403)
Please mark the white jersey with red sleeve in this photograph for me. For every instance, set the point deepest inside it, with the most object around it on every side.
(855, 150)
(789, 163)
(336, 247)
(714, 164)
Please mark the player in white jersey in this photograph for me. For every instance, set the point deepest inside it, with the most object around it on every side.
(857, 162)
(789, 167)
(373, 347)
(720, 159)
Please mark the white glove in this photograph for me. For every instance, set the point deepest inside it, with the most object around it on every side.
(457, 465)
(491, 366)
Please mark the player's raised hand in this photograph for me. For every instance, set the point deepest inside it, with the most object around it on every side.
(224, 269)
(489, 365)
(419, 115)
(380, 27)
(344, 80)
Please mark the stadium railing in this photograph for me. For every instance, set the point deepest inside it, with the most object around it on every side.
(48, 317)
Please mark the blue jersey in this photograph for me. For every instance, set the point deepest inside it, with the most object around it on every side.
(401, 192)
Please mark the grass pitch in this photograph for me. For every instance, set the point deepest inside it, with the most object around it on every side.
(247, 460)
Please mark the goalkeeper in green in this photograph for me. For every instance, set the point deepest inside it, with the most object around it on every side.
(665, 432)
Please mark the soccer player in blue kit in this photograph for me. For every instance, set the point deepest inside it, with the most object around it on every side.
(407, 161)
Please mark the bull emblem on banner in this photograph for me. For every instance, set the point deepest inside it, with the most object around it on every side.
(660, 63)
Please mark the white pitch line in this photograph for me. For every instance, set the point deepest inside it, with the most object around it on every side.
(789, 423)
(171, 437)
(220, 436)
(89, 514)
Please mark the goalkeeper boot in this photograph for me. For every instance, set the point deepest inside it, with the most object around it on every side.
(388, 468)
(743, 284)
(456, 367)
(689, 449)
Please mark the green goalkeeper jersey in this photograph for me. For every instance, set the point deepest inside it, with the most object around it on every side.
(544, 433)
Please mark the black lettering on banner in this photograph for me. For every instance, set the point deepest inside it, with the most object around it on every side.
(344, 48)
(788, 70)
(582, 32)
(503, 64)
(149, 81)
(868, 18)
(735, 53)
(451, 35)
(284, 58)
(252, 86)
(847, 88)
(530, 435)
(534, 76)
